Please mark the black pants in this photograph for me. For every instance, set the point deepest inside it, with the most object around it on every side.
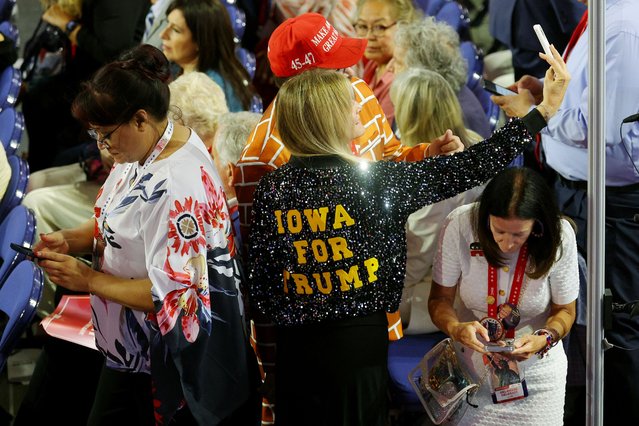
(62, 386)
(334, 373)
(621, 368)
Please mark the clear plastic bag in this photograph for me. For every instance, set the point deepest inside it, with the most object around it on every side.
(442, 383)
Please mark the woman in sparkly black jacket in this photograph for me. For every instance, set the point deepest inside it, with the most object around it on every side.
(327, 244)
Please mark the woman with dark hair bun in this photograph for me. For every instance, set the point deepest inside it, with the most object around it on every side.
(164, 286)
(199, 37)
(514, 260)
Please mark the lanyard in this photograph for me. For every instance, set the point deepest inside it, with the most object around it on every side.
(515, 288)
(157, 150)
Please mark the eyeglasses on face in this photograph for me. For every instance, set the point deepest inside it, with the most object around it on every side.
(100, 139)
(377, 30)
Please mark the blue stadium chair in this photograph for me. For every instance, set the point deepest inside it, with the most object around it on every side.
(11, 128)
(238, 20)
(10, 31)
(17, 185)
(19, 298)
(10, 82)
(18, 228)
(430, 7)
(247, 59)
(403, 356)
(6, 9)
(475, 60)
(456, 16)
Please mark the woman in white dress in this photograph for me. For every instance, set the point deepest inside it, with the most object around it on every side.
(164, 286)
(510, 252)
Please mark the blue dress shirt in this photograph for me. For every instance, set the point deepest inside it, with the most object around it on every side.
(565, 140)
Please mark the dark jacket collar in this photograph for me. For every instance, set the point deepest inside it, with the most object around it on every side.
(318, 161)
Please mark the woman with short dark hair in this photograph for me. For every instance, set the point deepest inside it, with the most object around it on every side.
(164, 284)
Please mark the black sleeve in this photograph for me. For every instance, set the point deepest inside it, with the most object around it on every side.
(115, 25)
(411, 186)
(534, 121)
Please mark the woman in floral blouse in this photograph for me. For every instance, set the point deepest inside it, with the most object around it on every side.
(164, 286)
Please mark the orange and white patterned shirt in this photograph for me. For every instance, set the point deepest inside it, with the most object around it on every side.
(265, 151)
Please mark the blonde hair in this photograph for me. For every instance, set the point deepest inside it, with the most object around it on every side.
(72, 8)
(314, 114)
(425, 107)
(404, 10)
(201, 102)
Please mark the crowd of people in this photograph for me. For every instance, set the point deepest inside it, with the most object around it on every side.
(249, 266)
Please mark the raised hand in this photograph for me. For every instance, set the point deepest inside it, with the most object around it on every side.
(446, 144)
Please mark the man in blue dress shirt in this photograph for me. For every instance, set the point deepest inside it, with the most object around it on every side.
(565, 143)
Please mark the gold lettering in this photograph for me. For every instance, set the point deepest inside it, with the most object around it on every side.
(351, 277)
(316, 218)
(371, 267)
(287, 275)
(301, 282)
(319, 250)
(301, 246)
(341, 216)
(327, 286)
(278, 216)
(339, 248)
(294, 221)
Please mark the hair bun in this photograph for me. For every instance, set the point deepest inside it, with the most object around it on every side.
(148, 61)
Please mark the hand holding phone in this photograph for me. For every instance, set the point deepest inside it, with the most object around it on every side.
(24, 250)
(496, 89)
(498, 348)
(542, 39)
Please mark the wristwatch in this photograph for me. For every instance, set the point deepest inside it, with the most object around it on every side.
(71, 25)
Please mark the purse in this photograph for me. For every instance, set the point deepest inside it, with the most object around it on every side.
(442, 384)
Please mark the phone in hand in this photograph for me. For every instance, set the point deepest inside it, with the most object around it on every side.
(542, 39)
(24, 250)
(498, 348)
(496, 89)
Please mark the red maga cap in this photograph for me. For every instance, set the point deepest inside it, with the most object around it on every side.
(310, 41)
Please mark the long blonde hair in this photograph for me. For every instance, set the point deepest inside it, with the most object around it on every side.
(314, 114)
(425, 107)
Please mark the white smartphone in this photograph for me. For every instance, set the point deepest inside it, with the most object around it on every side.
(542, 39)
(498, 348)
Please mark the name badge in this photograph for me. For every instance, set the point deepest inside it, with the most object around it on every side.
(506, 378)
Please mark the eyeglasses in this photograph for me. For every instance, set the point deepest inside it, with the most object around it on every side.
(377, 30)
(102, 141)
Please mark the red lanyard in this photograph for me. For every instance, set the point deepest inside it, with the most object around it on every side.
(576, 34)
(515, 288)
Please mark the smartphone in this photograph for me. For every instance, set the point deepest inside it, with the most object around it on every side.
(24, 250)
(542, 39)
(498, 348)
(496, 89)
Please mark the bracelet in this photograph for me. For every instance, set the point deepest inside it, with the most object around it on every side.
(549, 342)
(544, 112)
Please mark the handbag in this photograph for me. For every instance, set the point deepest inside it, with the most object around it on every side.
(442, 383)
